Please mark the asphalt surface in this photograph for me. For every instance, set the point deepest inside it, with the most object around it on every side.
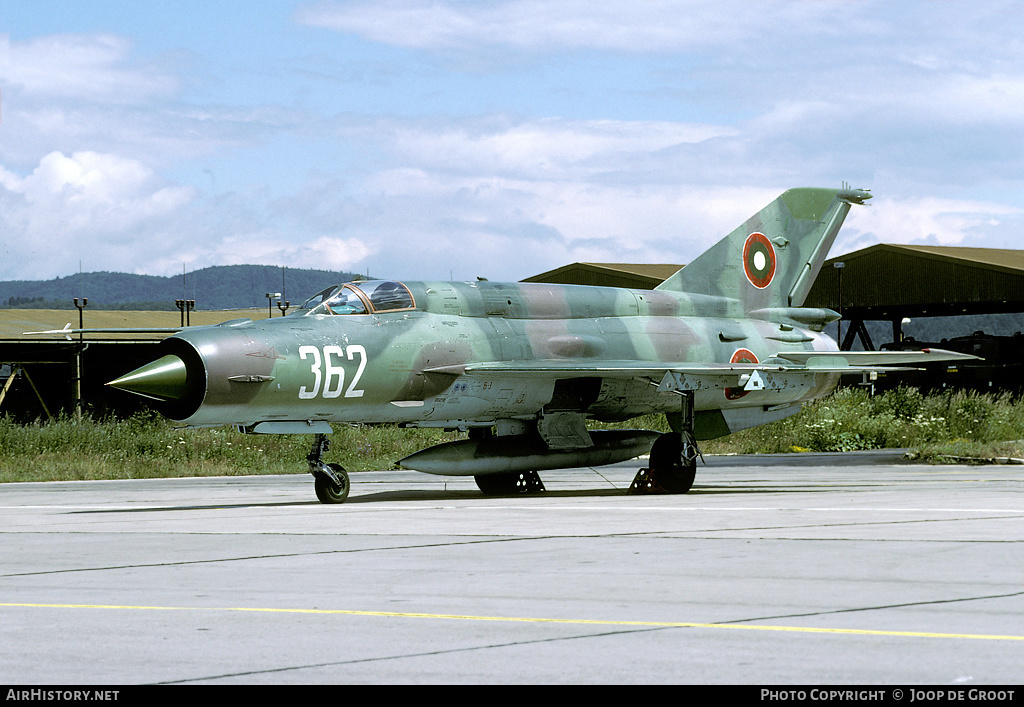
(797, 569)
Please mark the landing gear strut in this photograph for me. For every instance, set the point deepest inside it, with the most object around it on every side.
(329, 480)
(673, 457)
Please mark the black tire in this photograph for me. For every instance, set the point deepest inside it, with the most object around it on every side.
(667, 466)
(329, 492)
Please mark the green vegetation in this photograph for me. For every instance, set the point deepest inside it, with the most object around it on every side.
(147, 446)
(937, 428)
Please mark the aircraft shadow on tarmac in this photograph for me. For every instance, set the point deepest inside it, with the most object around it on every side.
(777, 484)
(744, 488)
(759, 486)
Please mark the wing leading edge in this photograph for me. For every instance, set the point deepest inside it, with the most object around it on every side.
(775, 373)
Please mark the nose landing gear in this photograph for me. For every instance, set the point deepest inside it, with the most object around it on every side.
(330, 481)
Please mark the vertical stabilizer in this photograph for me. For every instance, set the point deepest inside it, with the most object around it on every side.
(772, 259)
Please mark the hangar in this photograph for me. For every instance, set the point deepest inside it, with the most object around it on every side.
(895, 282)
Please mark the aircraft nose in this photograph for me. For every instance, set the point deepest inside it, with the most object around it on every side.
(164, 379)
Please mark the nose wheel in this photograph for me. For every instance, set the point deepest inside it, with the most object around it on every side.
(330, 481)
(332, 490)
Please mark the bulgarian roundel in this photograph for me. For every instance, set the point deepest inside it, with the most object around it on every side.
(759, 260)
(740, 356)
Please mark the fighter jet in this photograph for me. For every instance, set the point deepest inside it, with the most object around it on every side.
(722, 345)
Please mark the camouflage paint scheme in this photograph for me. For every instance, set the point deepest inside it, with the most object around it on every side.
(726, 332)
(472, 353)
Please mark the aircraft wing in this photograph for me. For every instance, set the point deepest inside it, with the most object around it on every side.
(783, 370)
(572, 368)
(875, 358)
(669, 377)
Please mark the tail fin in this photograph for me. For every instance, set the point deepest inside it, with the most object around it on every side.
(772, 259)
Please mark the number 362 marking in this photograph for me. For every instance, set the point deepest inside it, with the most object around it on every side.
(332, 375)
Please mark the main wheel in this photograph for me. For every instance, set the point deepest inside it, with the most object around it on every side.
(668, 467)
(328, 491)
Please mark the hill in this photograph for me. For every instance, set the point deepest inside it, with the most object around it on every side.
(218, 287)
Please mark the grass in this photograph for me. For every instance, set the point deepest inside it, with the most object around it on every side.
(937, 428)
(147, 446)
(951, 424)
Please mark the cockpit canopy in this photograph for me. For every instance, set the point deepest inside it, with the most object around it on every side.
(366, 297)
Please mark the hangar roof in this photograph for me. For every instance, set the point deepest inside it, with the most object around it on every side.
(889, 281)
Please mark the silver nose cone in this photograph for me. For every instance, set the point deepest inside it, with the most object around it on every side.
(163, 379)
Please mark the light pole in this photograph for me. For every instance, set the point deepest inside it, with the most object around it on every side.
(271, 296)
(77, 392)
(81, 318)
(839, 324)
(185, 306)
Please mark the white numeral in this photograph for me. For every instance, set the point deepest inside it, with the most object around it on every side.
(333, 374)
(352, 391)
(306, 352)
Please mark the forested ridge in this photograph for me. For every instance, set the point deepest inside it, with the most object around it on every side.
(218, 287)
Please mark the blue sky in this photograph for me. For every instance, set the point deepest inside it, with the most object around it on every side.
(452, 138)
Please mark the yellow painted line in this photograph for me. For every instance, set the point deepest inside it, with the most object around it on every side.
(522, 619)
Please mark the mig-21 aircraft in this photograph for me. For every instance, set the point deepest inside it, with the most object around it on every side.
(722, 345)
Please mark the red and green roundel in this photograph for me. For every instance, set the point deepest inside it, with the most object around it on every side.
(759, 260)
(740, 356)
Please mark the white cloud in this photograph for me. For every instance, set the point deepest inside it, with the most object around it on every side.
(574, 130)
(922, 220)
(87, 205)
(963, 98)
(547, 148)
(268, 248)
(520, 23)
(434, 222)
(85, 67)
(539, 25)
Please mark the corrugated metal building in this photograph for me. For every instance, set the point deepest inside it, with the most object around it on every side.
(891, 282)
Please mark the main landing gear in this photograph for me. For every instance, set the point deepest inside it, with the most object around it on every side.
(329, 480)
(673, 460)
